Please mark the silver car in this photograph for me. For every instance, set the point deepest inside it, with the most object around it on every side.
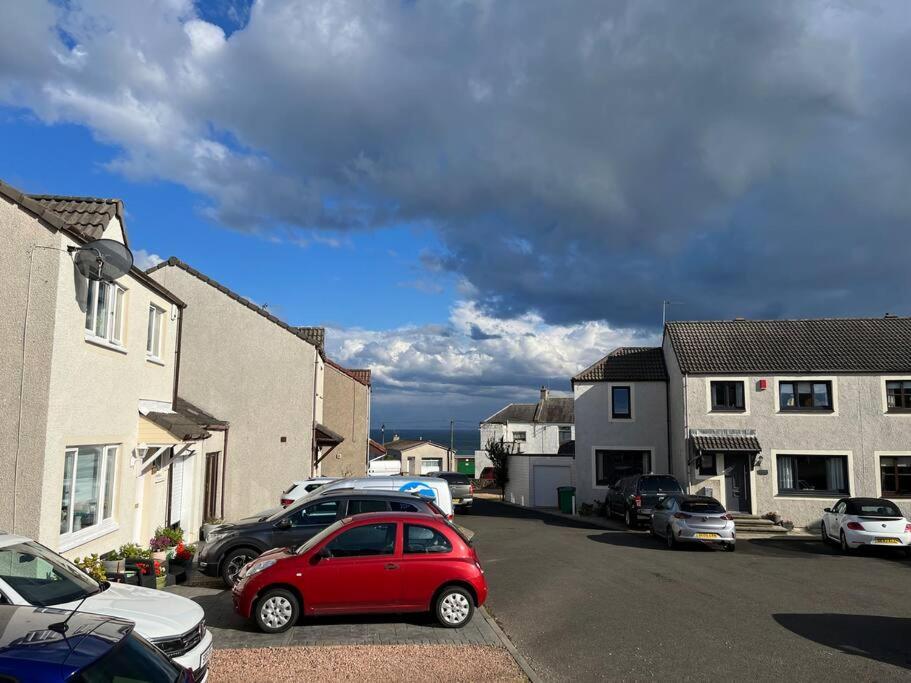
(693, 519)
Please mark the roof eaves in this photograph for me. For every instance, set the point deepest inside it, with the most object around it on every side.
(346, 371)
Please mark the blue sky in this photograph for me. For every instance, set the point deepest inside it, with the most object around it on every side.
(479, 198)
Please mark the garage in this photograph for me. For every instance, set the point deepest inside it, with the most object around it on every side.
(533, 479)
(546, 479)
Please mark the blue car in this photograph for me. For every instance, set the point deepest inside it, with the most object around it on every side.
(45, 645)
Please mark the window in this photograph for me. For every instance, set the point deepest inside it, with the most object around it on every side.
(429, 465)
(396, 506)
(708, 506)
(805, 396)
(813, 474)
(620, 403)
(370, 539)
(104, 311)
(611, 466)
(898, 396)
(153, 342)
(88, 487)
(727, 396)
(565, 435)
(895, 474)
(359, 507)
(659, 484)
(518, 436)
(872, 507)
(421, 539)
(319, 514)
(708, 465)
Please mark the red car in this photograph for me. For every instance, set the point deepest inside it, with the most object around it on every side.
(375, 562)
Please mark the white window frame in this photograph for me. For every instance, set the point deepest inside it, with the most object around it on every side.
(747, 383)
(568, 427)
(885, 398)
(852, 487)
(71, 539)
(632, 402)
(523, 432)
(113, 336)
(792, 414)
(155, 340)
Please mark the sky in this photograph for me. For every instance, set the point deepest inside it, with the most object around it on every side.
(477, 198)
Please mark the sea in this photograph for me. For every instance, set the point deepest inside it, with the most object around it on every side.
(465, 441)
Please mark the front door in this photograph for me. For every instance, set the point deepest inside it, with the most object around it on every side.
(737, 481)
(210, 493)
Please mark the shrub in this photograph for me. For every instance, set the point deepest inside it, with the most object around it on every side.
(93, 566)
(174, 535)
(134, 551)
(499, 456)
(160, 543)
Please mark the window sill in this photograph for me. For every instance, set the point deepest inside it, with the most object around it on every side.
(104, 343)
(155, 361)
(805, 411)
(898, 412)
(83, 536)
(812, 495)
(728, 411)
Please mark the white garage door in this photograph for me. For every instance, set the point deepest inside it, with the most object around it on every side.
(547, 478)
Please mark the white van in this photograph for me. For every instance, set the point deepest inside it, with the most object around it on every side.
(384, 468)
(428, 487)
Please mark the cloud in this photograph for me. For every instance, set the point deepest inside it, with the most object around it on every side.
(477, 334)
(144, 260)
(585, 162)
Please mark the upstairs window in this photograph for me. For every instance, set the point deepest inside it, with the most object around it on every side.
(153, 341)
(805, 396)
(566, 434)
(104, 311)
(518, 437)
(727, 397)
(621, 408)
(898, 396)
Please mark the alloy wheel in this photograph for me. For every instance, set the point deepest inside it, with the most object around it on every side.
(276, 611)
(455, 608)
(235, 565)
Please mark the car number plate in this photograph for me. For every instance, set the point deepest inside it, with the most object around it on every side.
(706, 535)
(456, 500)
(887, 541)
(204, 657)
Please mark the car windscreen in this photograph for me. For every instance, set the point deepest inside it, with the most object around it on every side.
(133, 659)
(315, 540)
(42, 577)
(659, 485)
(873, 508)
(703, 507)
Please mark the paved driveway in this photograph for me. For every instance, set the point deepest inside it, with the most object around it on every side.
(583, 603)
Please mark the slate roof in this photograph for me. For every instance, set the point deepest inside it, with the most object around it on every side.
(749, 444)
(88, 215)
(548, 411)
(186, 421)
(305, 333)
(405, 444)
(627, 364)
(821, 345)
(314, 335)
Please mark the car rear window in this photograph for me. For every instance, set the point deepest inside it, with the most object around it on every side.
(659, 484)
(708, 507)
(457, 479)
(873, 508)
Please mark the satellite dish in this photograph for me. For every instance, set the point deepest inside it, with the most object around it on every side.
(104, 260)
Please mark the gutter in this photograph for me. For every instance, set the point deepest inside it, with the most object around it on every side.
(224, 470)
(177, 354)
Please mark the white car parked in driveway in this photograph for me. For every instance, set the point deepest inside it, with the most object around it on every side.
(853, 522)
(31, 574)
(299, 489)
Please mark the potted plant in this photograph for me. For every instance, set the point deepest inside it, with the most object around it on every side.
(114, 562)
(161, 574)
(93, 566)
(183, 554)
(147, 575)
(159, 545)
(134, 553)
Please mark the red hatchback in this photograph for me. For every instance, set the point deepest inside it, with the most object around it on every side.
(377, 562)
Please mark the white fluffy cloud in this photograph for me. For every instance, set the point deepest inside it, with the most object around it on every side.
(144, 260)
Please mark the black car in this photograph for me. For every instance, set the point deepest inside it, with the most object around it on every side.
(228, 547)
(47, 644)
(633, 498)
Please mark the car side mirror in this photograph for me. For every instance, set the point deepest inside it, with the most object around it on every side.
(283, 523)
(322, 554)
(827, 509)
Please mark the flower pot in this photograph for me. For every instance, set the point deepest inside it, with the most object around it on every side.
(148, 581)
(161, 555)
(161, 581)
(114, 566)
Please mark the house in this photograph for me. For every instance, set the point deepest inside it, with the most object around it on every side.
(540, 428)
(346, 411)
(418, 456)
(260, 374)
(621, 419)
(788, 416)
(96, 448)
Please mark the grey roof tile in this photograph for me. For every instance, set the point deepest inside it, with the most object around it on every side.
(552, 410)
(88, 215)
(819, 345)
(749, 444)
(627, 364)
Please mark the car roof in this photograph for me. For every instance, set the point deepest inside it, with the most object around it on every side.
(377, 517)
(365, 493)
(28, 637)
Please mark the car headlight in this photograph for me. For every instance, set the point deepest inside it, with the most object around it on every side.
(257, 567)
(213, 536)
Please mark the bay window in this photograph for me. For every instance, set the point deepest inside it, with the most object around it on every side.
(153, 341)
(88, 487)
(104, 311)
(813, 475)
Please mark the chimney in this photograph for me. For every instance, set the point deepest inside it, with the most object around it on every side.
(544, 393)
(395, 437)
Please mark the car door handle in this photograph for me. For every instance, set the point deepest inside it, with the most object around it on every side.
(391, 566)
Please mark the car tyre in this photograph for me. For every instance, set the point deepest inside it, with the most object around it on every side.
(454, 607)
(233, 563)
(824, 533)
(630, 519)
(845, 548)
(276, 611)
(671, 541)
(730, 547)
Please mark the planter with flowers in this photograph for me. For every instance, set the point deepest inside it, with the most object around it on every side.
(183, 554)
(152, 574)
(114, 562)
